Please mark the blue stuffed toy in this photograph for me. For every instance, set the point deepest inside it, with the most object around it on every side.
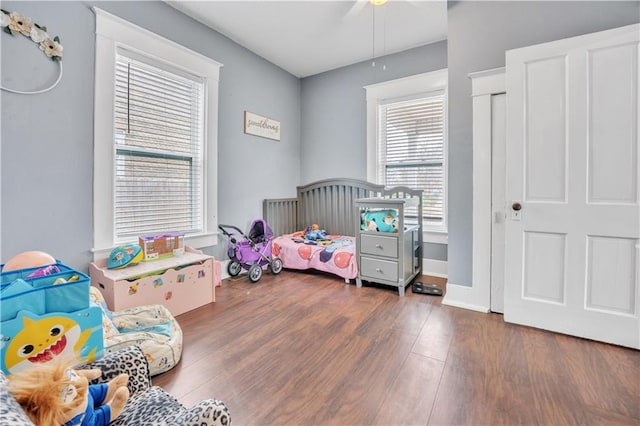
(314, 233)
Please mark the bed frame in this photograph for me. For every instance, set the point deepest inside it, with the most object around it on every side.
(330, 202)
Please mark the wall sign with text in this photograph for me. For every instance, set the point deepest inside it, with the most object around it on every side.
(258, 125)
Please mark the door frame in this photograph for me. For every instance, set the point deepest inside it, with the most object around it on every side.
(484, 84)
(498, 200)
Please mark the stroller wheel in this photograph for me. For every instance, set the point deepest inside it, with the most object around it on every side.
(255, 273)
(276, 266)
(234, 268)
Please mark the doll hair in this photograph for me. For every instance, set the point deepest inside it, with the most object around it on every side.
(40, 389)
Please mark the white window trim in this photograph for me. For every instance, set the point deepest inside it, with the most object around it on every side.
(405, 87)
(113, 32)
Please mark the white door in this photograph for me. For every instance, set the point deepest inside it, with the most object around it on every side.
(572, 254)
(498, 178)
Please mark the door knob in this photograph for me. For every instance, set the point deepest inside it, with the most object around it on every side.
(516, 206)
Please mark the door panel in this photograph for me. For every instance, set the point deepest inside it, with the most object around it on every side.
(544, 267)
(572, 256)
(607, 291)
(613, 166)
(546, 134)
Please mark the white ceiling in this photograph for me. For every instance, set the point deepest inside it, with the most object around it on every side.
(309, 37)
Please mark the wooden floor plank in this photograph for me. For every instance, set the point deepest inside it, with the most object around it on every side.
(410, 398)
(436, 334)
(360, 393)
(603, 391)
(308, 349)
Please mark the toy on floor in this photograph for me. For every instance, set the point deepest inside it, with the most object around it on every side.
(56, 394)
(123, 256)
(28, 259)
(250, 252)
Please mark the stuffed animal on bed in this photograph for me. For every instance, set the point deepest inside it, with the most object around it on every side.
(55, 394)
(314, 233)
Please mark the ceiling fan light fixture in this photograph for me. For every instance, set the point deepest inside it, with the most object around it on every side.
(377, 2)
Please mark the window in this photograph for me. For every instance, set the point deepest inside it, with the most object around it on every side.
(158, 141)
(155, 149)
(407, 141)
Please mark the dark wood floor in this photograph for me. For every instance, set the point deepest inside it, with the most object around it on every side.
(307, 349)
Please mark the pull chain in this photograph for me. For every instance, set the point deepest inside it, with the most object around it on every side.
(373, 53)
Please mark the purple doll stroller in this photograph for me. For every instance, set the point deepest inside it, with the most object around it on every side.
(250, 252)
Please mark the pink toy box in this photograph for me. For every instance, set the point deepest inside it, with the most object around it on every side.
(180, 283)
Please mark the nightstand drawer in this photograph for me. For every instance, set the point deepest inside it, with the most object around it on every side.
(380, 269)
(379, 245)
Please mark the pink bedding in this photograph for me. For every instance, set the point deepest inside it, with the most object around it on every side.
(338, 257)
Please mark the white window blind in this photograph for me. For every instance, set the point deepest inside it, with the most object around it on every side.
(158, 140)
(411, 150)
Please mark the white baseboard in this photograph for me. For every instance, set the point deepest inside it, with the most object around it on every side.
(466, 297)
(435, 268)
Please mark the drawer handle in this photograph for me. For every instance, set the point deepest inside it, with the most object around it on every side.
(379, 246)
(378, 270)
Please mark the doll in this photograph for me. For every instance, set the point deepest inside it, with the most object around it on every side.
(55, 394)
(314, 233)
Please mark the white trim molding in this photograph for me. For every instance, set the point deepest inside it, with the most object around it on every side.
(478, 297)
(488, 82)
(434, 268)
(401, 87)
(434, 237)
(407, 87)
(466, 297)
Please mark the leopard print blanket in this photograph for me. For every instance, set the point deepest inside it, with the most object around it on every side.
(147, 405)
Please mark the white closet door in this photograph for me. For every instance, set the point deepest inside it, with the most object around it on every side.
(572, 255)
(498, 171)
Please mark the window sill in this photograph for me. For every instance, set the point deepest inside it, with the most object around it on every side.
(197, 241)
(435, 237)
(201, 240)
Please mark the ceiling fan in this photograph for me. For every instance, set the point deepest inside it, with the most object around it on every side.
(359, 5)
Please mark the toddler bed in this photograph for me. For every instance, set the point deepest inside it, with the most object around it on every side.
(335, 255)
(330, 204)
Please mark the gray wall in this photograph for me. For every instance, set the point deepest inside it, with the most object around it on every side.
(479, 35)
(334, 116)
(47, 139)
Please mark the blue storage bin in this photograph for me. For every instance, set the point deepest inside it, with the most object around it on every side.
(20, 295)
(40, 295)
(80, 338)
(64, 297)
(8, 277)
